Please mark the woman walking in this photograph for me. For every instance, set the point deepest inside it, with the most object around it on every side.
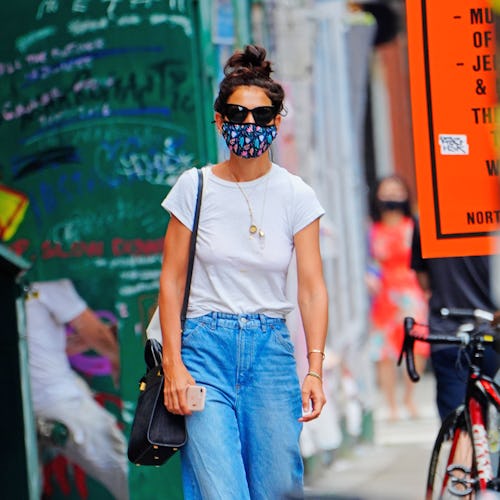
(245, 443)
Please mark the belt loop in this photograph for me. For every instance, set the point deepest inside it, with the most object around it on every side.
(214, 321)
(263, 322)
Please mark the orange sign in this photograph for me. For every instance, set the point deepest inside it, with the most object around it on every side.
(452, 76)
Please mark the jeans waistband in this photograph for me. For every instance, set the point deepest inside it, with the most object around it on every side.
(229, 320)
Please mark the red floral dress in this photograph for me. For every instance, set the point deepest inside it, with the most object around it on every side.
(399, 293)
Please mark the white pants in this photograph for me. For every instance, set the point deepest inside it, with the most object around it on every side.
(95, 443)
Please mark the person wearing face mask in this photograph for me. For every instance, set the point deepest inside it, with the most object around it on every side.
(462, 282)
(394, 289)
(235, 342)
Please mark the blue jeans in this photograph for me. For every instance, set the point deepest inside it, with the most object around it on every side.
(245, 443)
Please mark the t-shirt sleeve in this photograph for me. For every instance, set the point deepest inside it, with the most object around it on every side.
(307, 207)
(61, 299)
(181, 199)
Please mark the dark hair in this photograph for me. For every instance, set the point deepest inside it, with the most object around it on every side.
(251, 68)
(374, 206)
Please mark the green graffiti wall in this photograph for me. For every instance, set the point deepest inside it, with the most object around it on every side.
(100, 110)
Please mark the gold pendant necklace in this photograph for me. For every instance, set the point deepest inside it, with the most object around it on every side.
(253, 229)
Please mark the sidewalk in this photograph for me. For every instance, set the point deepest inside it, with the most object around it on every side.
(394, 467)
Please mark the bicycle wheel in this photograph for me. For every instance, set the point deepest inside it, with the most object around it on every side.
(452, 467)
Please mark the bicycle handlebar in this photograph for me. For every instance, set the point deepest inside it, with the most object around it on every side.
(462, 337)
(407, 349)
(457, 312)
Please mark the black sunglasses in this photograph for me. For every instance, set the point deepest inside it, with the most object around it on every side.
(237, 114)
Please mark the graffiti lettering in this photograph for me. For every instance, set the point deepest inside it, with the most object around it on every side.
(130, 290)
(146, 3)
(12, 111)
(20, 246)
(109, 7)
(80, 6)
(128, 262)
(130, 20)
(23, 43)
(73, 115)
(47, 7)
(9, 68)
(129, 86)
(120, 246)
(166, 81)
(70, 51)
(45, 71)
(51, 250)
(159, 168)
(182, 22)
(140, 274)
(73, 49)
(118, 161)
(39, 58)
(174, 88)
(78, 28)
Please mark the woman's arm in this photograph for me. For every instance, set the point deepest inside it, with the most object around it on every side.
(313, 305)
(172, 285)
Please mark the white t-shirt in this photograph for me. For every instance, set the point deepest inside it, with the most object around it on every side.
(49, 306)
(234, 271)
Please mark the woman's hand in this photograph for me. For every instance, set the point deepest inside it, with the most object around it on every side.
(177, 380)
(313, 398)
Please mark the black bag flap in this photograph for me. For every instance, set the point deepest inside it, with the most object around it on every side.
(164, 428)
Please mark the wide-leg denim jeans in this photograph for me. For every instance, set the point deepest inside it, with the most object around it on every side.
(245, 443)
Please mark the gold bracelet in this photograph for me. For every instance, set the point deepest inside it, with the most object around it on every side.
(315, 375)
(312, 351)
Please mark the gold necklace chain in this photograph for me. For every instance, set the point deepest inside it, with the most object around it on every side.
(253, 229)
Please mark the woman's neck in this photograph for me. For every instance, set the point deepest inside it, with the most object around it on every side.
(243, 170)
(392, 217)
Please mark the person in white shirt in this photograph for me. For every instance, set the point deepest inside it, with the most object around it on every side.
(235, 342)
(95, 443)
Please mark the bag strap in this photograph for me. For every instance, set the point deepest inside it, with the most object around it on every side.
(192, 247)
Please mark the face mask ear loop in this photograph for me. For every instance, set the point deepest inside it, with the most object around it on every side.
(271, 147)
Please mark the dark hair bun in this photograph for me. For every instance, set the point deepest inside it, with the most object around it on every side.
(251, 59)
(251, 68)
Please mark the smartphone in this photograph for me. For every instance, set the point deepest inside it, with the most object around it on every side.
(196, 397)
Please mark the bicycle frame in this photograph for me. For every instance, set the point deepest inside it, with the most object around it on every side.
(460, 479)
(468, 466)
(482, 392)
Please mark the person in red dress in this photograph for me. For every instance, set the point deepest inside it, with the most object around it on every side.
(395, 292)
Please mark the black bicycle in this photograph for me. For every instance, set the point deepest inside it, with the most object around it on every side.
(464, 460)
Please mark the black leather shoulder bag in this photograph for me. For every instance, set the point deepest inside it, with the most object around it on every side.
(156, 434)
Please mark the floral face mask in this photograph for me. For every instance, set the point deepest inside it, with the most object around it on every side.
(248, 140)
